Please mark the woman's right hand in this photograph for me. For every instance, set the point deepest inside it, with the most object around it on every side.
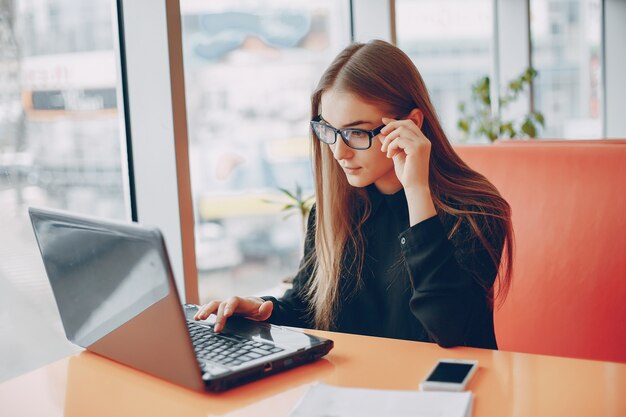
(253, 308)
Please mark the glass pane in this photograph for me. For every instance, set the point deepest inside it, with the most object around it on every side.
(450, 43)
(60, 147)
(565, 36)
(250, 67)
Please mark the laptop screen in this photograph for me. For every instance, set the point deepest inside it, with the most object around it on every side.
(100, 277)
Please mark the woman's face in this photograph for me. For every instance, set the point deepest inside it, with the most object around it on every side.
(362, 167)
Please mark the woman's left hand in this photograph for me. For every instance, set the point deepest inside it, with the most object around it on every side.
(403, 141)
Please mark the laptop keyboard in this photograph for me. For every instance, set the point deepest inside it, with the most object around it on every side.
(229, 349)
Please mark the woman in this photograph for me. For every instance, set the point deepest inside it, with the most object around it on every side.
(405, 240)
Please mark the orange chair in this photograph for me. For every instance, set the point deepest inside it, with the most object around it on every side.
(568, 296)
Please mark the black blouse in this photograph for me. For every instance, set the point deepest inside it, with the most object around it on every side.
(416, 283)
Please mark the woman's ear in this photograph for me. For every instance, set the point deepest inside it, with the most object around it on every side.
(417, 116)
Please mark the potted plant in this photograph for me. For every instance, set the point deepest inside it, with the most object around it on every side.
(478, 120)
(295, 202)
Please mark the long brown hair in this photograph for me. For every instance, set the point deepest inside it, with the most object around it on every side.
(379, 73)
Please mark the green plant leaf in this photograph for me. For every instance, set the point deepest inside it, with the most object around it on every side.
(528, 127)
(464, 125)
(477, 120)
(480, 91)
(507, 129)
(288, 193)
(516, 85)
(539, 118)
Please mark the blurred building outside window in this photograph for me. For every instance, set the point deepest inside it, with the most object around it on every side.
(450, 42)
(250, 68)
(566, 51)
(60, 146)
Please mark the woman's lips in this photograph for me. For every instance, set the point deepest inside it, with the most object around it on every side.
(351, 170)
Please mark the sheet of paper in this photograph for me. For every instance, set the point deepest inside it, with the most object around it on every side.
(327, 401)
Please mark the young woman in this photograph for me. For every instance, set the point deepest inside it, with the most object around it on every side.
(405, 240)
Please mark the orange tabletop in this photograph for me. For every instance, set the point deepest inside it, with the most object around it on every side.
(506, 384)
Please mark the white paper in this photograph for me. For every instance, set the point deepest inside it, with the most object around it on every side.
(327, 401)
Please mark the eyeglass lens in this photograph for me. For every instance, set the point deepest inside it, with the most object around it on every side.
(356, 139)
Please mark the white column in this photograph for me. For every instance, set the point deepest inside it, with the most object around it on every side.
(157, 125)
(615, 68)
(372, 19)
(513, 53)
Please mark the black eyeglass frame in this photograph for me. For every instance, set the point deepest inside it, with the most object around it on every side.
(370, 133)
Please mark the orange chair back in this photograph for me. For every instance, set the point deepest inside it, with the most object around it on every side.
(568, 295)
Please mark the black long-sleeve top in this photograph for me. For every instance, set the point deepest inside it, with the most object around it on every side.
(416, 283)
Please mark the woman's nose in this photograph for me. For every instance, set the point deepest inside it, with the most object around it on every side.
(341, 150)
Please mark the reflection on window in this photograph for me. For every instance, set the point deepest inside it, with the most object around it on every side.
(565, 37)
(59, 147)
(450, 43)
(250, 68)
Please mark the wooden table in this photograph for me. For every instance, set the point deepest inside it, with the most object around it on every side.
(506, 384)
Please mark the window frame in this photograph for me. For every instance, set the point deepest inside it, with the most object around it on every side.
(156, 130)
(613, 16)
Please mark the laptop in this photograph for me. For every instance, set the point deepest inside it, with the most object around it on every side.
(116, 295)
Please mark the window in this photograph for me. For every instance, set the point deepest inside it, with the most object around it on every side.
(450, 43)
(61, 146)
(250, 68)
(566, 51)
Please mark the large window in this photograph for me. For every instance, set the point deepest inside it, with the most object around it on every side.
(566, 51)
(450, 42)
(250, 68)
(61, 146)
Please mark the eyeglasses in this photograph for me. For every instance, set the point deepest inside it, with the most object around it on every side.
(355, 138)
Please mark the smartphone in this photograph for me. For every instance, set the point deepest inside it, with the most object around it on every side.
(449, 375)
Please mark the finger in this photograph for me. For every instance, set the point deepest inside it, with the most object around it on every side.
(387, 120)
(398, 132)
(408, 125)
(394, 124)
(231, 306)
(411, 139)
(407, 146)
(389, 125)
(265, 311)
(206, 310)
(397, 146)
(386, 140)
(220, 320)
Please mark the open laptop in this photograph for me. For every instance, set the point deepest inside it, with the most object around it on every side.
(117, 297)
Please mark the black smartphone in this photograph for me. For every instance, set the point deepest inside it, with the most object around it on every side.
(449, 375)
